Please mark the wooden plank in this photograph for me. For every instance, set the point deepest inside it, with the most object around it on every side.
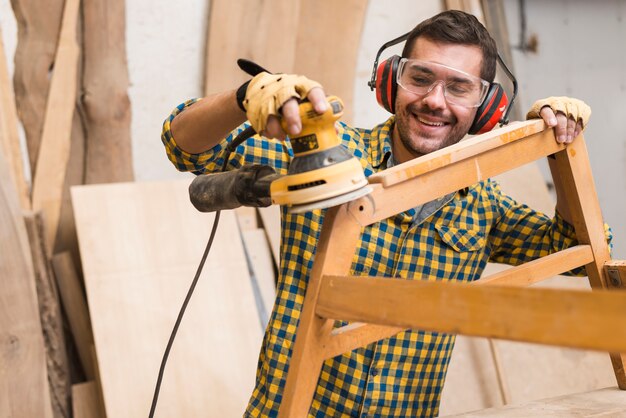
(458, 152)
(55, 141)
(541, 268)
(24, 387)
(320, 50)
(567, 318)
(9, 137)
(141, 244)
(272, 24)
(260, 257)
(270, 216)
(106, 102)
(38, 26)
(334, 255)
(75, 307)
(51, 318)
(603, 403)
(85, 402)
(502, 150)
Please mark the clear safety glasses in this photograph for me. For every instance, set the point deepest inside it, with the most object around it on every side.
(459, 88)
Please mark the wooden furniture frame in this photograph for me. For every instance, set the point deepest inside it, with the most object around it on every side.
(381, 307)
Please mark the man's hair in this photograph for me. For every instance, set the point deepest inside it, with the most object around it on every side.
(457, 27)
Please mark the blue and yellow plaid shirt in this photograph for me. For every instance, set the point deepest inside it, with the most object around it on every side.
(449, 239)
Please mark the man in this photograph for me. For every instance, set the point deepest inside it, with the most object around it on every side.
(448, 239)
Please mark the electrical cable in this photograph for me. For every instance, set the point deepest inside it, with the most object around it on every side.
(245, 134)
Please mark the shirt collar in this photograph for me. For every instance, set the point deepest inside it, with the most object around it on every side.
(380, 149)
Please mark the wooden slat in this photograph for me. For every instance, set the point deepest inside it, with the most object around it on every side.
(24, 388)
(568, 318)
(354, 335)
(458, 152)
(141, 244)
(38, 26)
(573, 179)
(55, 142)
(9, 137)
(541, 268)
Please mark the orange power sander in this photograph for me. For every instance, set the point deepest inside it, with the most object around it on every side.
(323, 173)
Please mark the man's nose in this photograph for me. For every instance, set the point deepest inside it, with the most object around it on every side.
(435, 98)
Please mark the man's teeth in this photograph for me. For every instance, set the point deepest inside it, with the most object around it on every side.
(424, 121)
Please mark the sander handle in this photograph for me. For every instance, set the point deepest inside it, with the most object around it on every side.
(246, 186)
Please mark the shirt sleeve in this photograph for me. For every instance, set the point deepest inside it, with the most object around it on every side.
(255, 150)
(521, 234)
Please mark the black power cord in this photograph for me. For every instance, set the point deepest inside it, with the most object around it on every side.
(245, 134)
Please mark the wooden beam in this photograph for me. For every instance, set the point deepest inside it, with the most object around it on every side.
(55, 143)
(567, 318)
(541, 268)
(453, 168)
(105, 99)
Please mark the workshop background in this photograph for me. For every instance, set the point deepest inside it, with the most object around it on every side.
(99, 335)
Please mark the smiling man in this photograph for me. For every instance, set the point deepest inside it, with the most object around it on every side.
(448, 64)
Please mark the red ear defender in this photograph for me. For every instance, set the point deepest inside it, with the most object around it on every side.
(491, 111)
(386, 83)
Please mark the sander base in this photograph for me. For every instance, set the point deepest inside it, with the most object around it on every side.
(330, 202)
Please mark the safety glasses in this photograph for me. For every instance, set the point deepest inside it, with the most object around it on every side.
(459, 88)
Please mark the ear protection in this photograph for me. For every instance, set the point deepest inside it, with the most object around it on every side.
(493, 110)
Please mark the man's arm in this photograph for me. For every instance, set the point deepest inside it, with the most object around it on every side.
(205, 123)
(568, 117)
(201, 126)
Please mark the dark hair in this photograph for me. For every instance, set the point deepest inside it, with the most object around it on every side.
(457, 27)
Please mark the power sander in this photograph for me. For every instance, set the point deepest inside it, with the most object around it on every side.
(323, 173)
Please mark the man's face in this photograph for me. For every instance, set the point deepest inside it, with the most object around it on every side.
(426, 123)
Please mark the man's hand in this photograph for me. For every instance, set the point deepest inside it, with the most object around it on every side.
(567, 116)
(272, 96)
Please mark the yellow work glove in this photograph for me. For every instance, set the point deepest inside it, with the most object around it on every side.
(572, 108)
(267, 93)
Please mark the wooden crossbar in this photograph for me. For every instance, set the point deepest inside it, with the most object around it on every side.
(569, 318)
(383, 307)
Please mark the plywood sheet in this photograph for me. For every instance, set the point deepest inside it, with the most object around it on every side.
(259, 31)
(140, 245)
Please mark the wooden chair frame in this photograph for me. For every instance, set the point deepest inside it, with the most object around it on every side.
(381, 307)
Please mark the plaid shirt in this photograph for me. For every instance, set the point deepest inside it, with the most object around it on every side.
(448, 239)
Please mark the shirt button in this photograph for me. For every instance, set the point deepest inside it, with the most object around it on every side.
(374, 371)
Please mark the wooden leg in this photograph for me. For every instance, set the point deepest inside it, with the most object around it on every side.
(335, 250)
(573, 179)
